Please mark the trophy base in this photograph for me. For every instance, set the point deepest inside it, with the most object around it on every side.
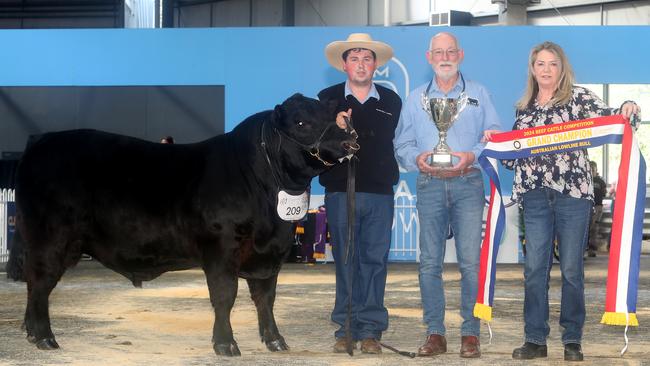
(441, 160)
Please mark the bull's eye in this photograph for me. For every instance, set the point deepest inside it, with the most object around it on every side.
(301, 123)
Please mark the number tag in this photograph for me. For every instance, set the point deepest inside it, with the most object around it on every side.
(292, 208)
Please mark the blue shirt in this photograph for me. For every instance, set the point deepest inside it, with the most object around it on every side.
(372, 93)
(416, 132)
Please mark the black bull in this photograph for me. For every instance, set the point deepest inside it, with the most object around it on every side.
(142, 209)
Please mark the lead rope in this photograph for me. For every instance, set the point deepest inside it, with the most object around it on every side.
(349, 253)
(349, 248)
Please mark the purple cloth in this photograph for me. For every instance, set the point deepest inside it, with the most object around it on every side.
(320, 234)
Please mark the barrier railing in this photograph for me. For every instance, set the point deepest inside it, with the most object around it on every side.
(7, 198)
(406, 231)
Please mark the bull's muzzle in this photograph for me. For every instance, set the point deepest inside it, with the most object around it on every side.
(350, 146)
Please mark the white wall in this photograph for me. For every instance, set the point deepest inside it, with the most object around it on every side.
(622, 13)
(331, 12)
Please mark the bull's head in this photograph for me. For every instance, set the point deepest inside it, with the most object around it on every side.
(309, 123)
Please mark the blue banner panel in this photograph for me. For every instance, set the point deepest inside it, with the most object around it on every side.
(260, 67)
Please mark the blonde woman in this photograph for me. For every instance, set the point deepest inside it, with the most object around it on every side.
(557, 195)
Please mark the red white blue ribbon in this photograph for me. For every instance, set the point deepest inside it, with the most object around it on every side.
(627, 225)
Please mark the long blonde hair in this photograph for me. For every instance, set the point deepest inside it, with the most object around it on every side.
(567, 78)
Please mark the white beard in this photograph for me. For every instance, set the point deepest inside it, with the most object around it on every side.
(447, 75)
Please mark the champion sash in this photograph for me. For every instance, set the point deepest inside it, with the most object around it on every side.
(627, 223)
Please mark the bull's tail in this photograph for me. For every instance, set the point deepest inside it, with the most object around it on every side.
(15, 266)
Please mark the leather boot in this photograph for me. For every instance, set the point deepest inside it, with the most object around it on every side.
(529, 351)
(470, 347)
(341, 345)
(370, 345)
(435, 344)
(573, 352)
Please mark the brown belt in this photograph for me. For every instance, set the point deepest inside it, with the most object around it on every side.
(447, 173)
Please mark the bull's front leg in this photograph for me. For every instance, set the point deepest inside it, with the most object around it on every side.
(222, 285)
(263, 295)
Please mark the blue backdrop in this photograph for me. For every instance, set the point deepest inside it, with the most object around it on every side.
(260, 67)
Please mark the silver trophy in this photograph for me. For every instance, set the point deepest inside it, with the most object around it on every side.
(443, 112)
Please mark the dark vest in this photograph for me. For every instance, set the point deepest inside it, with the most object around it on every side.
(375, 122)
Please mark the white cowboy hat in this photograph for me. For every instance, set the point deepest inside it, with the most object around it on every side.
(334, 51)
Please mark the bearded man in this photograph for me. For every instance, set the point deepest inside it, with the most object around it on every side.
(448, 197)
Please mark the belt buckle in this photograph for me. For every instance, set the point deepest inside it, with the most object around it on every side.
(458, 173)
(447, 174)
(444, 174)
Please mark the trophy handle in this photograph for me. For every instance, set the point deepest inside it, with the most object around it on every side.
(462, 103)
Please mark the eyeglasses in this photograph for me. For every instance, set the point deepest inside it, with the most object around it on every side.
(439, 52)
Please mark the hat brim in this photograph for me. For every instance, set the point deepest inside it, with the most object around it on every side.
(334, 51)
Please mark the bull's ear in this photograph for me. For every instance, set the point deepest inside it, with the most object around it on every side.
(296, 96)
(278, 113)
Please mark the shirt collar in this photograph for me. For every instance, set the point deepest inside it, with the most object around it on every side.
(458, 87)
(371, 94)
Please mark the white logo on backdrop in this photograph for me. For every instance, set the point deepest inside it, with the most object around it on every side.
(398, 81)
(406, 228)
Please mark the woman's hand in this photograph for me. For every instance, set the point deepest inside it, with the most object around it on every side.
(630, 108)
(487, 135)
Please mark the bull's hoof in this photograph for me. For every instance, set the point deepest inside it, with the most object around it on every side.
(47, 344)
(277, 345)
(226, 349)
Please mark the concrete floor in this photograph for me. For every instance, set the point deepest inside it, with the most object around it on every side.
(100, 319)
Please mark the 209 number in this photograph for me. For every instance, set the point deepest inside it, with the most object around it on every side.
(293, 211)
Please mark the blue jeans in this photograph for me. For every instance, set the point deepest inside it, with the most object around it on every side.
(458, 202)
(368, 262)
(548, 213)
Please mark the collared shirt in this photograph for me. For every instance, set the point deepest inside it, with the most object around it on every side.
(568, 172)
(416, 132)
(372, 93)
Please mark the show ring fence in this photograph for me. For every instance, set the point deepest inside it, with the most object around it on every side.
(7, 221)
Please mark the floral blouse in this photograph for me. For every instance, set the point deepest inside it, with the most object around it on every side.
(568, 172)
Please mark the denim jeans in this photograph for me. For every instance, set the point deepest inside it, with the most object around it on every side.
(548, 213)
(372, 235)
(458, 202)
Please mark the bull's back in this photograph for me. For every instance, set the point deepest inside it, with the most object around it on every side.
(123, 200)
(92, 161)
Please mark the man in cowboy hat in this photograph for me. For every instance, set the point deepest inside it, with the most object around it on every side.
(374, 111)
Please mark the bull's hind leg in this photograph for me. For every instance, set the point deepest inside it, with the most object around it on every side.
(263, 295)
(41, 280)
(222, 285)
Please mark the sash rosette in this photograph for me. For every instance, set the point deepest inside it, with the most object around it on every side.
(627, 224)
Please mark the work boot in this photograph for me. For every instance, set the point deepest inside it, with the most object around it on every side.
(435, 344)
(529, 351)
(341, 345)
(370, 345)
(573, 352)
(470, 347)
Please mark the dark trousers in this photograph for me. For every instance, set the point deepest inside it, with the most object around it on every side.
(366, 266)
